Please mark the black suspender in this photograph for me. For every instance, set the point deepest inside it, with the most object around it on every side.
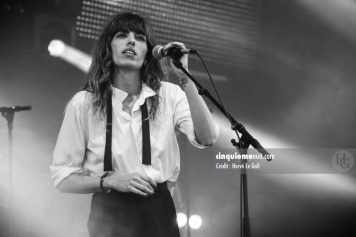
(146, 144)
(108, 154)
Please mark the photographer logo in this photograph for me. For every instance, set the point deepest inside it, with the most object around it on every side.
(342, 161)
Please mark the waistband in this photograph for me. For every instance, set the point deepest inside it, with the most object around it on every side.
(161, 187)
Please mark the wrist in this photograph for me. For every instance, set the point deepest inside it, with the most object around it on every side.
(179, 73)
(104, 183)
(183, 80)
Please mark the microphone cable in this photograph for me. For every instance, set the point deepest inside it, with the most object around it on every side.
(217, 94)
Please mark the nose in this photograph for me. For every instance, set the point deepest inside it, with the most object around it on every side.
(131, 39)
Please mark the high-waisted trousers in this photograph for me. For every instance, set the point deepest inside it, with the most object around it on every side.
(119, 214)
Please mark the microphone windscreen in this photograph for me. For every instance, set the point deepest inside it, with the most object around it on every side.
(156, 52)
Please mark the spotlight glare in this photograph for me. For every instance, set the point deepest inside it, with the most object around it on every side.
(181, 219)
(56, 47)
(195, 222)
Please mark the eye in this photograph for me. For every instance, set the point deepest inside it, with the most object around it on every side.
(140, 37)
(120, 34)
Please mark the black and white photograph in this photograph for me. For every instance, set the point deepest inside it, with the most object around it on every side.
(177, 118)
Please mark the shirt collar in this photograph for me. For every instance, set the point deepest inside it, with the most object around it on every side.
(145, 93)
(119, 93)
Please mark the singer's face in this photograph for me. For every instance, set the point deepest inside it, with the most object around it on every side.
(129, 49)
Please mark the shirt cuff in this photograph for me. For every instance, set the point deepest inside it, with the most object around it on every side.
(60, 173)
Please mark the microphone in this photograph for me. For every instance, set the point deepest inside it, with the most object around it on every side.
(14, 108)
(173, 52)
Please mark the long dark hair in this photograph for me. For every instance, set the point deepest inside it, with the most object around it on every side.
(100, 75)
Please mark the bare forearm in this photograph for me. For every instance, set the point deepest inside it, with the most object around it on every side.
(138, 183)
(78, 183)
(205, 128)
(204, 125)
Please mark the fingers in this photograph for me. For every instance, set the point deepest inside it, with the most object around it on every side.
(139, 183)
(140, 189)
(149, 180)
(173, 44)
(178, 44)
(137, 191)
(183, 59)
(142, 184)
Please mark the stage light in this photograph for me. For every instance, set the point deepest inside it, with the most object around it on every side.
(56, 47)
(195, 222)
(69, 54)
(181, 219)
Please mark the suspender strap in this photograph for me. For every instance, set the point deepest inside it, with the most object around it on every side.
(146, 144)
(108, 155)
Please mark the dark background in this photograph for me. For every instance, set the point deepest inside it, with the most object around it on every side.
(298, 93)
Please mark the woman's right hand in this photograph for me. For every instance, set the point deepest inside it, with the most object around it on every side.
(138, 183)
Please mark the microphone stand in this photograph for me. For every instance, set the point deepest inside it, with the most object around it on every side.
(241, 146)
(9, 114)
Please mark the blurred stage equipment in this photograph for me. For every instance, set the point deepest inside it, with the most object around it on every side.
(9, 114)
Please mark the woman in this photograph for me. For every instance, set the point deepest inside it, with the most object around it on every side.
(118, 138)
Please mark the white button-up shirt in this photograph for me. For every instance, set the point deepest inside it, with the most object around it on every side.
(81, 140)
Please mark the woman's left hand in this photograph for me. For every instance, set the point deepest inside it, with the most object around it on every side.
(183, 60)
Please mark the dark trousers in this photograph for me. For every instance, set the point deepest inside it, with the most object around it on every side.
(130, 215)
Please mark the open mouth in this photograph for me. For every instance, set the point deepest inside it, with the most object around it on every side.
(129, 52)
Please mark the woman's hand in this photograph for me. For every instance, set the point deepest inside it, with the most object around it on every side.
(183, 60)
(138, 183)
